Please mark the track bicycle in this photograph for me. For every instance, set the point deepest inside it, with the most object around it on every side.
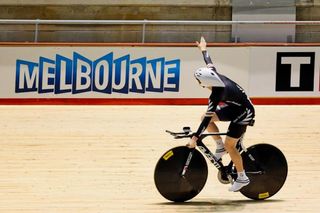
(181, 172)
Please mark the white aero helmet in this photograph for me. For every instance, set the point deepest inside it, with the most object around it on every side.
(208, 78)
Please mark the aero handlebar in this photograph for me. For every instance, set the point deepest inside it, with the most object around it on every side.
(187, 133)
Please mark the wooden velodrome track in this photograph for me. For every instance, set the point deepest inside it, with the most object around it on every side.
(75, 159)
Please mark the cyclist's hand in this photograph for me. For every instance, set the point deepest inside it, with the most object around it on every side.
(192, 143)
(202, 45)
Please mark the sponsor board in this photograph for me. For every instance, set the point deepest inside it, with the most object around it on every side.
(154, 73)
(284, 72)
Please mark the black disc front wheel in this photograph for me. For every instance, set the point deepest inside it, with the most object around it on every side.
(168, 179)
(272, 164)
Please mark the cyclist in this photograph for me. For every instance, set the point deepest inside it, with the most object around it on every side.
(236, 107)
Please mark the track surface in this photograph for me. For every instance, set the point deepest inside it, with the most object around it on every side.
(101, 159)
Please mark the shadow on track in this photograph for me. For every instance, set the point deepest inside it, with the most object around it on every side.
(213, 205)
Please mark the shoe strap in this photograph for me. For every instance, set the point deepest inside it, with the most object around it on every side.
(242, 181)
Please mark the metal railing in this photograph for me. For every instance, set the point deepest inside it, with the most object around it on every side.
(143, 23)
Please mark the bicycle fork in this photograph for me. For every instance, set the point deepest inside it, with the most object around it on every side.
(186, 165)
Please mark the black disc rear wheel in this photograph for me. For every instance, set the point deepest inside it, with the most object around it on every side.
(168, 178)
(274, 166)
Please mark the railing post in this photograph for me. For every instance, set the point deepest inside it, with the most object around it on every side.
(144, 30)
(236, 33)
(36, 31)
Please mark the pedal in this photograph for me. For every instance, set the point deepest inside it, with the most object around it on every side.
(223, 178)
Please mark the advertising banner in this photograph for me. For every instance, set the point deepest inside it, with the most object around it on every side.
(153, 73)
(284, 72)
(112, 72)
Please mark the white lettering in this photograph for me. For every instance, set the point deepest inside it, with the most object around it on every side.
(295, 68)
(135, 76)
(122, 74)
(168, 75)
(210, 156)
(155, 77)
(46, 75)
(105, 67)
(63, 74)
(83, 72)
(25, 75)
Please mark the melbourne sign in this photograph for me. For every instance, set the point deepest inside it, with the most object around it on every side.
(106, 74)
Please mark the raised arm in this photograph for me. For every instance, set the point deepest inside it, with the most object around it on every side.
(202, 45)
(207, 78)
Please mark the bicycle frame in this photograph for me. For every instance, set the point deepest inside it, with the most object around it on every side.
(226, 171)
(206, 151)
(217, 163)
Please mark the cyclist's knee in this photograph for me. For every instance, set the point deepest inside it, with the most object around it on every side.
(214, 117)
(230, 143)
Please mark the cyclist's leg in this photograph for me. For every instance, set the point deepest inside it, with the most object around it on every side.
(235, 131)
(230, 146)
(223, 113)
(212, 127)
